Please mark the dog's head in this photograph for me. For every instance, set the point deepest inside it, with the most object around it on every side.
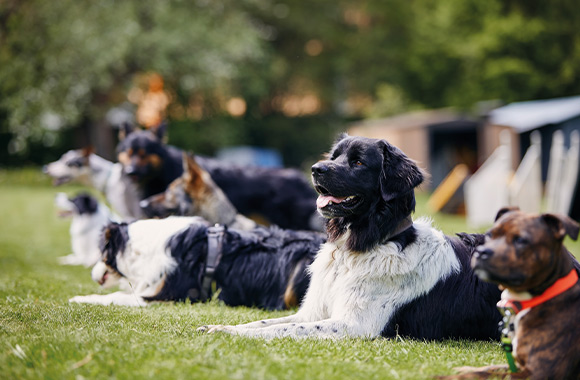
(184, 196)
(74, 165)
(81, 204)
(365, 185)
(141, 152)
(522, 250)
(113, 244)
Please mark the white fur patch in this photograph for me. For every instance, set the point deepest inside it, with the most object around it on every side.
(145, 263)
(85, 231)
(356, 294)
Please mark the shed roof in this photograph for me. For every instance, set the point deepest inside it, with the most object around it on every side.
(525, 116)
(414, 119)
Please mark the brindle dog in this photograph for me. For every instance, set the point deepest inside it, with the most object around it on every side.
(524, 254)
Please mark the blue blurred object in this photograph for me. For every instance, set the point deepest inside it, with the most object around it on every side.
(251, 156)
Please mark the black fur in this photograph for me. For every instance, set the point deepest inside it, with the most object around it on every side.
(254, 270)
(282, 196)
(113, 242)
(140, 146)
(460, 306)
(85, 203)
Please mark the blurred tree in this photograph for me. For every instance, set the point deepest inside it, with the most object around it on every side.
(250, 71)
(69, 61)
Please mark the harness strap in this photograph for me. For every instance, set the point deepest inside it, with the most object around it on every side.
(215, 236)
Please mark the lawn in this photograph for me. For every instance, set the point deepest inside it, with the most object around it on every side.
(43, 336)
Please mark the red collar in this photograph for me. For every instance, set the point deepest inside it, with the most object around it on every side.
(559, 287)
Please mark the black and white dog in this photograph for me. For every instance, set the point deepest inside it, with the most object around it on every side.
(89, 169)
(381, 273)
(178, 258)
(89, 217)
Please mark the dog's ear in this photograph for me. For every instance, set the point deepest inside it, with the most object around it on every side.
(160, 130)
(193, 173)
(399, 173)
(562, 225)
(504, 211)
(125, 130)
(87, 151)
(338, 139)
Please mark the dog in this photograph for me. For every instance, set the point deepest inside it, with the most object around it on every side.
(196, 194)
(280, 196)
(89, 169)
(524, 254)
(88, 219)
(380, 273)
(178, 258)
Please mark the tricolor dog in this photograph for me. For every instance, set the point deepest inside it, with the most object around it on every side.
(194, 193)
(381, 273)
(89, 217)
(178, 258)
(87, 168)
(524, 254)
(280, 196)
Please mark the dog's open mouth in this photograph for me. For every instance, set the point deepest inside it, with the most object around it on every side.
(326, 199)
(64, 213)
(57, 181)
(104, 278)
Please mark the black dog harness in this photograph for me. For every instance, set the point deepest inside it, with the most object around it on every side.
(215, 237)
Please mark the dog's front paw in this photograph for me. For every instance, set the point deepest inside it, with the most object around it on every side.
(78, 299)
(210, 329)
(69, 260)
(94, 299)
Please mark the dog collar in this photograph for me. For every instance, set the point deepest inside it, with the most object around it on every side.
(403, 226)
(215, 236)
(559, 287)
(510, 308)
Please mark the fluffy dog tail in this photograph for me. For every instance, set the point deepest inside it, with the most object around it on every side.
(113, 242)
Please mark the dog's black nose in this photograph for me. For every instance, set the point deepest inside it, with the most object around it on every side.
(319, 168)
(482, 253)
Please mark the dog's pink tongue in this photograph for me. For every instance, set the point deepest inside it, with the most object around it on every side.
(323, 200)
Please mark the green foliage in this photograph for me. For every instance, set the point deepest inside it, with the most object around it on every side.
(65, 63)
(67, 60)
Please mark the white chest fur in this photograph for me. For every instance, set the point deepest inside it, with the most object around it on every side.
(368, 287)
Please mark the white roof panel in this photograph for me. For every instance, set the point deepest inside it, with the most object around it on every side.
(525, 116)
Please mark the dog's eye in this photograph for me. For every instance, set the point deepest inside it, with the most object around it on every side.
(74, 164)
(357, 163)
(518, 240)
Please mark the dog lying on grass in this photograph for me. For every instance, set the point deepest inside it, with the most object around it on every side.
(89, 217)
(178, 258)
(524, 254)
(196, 194)
(381, 273)
(281, 196)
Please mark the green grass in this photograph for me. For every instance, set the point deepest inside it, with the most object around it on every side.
(43, 336)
